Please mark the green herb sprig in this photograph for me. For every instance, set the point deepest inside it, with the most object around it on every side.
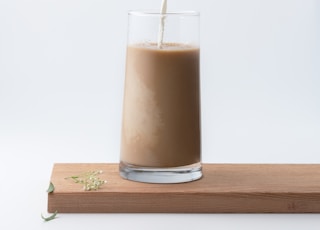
(51, 217)
(51, 188)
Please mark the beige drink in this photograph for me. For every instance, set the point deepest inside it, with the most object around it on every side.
(160, 140)
(161, 111)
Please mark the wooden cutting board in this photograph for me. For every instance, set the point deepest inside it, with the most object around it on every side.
(224, 188)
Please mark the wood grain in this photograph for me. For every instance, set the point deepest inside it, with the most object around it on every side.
(224, 188)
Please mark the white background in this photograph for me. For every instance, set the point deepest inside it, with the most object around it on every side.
(61, 86)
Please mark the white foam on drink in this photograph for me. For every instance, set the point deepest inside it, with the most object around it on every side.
(163, 11)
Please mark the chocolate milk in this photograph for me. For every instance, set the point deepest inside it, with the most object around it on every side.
(161, 110)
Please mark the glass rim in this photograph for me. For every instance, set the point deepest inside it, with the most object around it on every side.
(157, 13)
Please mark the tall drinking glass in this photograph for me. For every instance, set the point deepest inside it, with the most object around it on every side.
(161, 135)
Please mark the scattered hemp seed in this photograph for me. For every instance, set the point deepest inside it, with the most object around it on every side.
(53, 216)
(89, 180)
(51, 188)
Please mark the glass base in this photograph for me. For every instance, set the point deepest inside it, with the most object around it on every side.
(161, 175)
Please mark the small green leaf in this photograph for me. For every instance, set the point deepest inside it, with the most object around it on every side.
(53, 216)
(51, 188)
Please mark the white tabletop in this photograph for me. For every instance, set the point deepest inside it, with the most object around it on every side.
(61, 86)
